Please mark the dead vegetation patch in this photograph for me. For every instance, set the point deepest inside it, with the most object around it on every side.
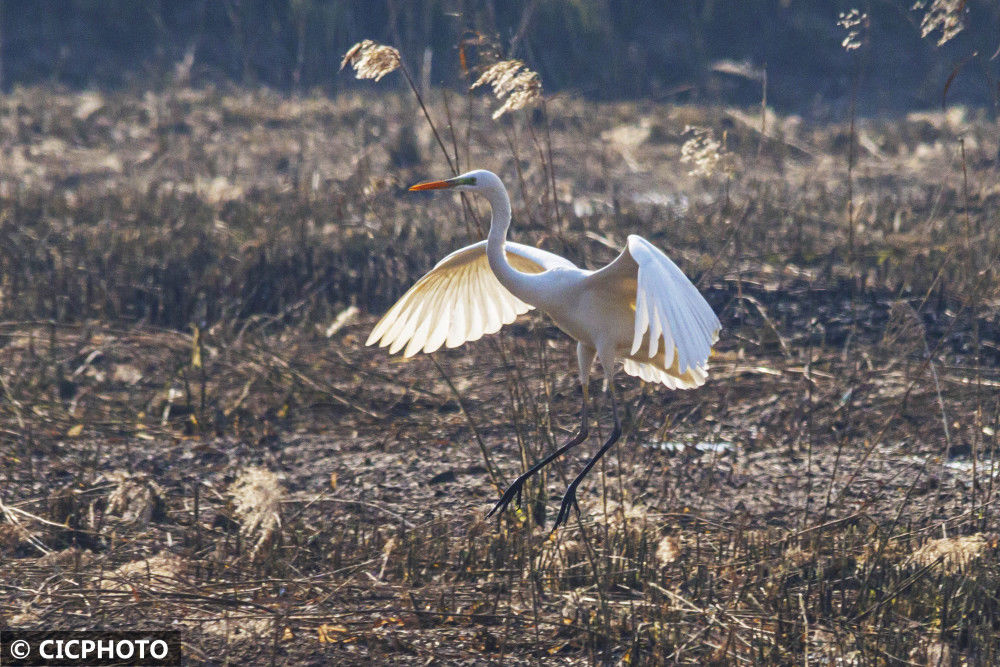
(192, 429)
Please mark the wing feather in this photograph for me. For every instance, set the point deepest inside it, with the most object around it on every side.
(459, 300)
(493, 305)
(687, 341)
(390, 320)
(402, 330)
(434, 308)
(439, 333)
(473, 319)
(684, 315)
(641, 319)
(656, 323)
(434, 311)
(482, 315)
(456, 334)
(669, 311)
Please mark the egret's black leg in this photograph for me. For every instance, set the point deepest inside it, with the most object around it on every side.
(515, 488)
(569, 498)
(585, 359)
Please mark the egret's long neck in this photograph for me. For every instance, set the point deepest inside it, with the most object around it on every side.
(519, 284)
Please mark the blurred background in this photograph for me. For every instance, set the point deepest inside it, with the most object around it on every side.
(690, 50)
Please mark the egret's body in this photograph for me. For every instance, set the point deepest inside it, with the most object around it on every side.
(640, 309)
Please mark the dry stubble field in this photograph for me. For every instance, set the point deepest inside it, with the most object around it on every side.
(194, 435)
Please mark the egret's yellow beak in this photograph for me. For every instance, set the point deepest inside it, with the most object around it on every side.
(433, 185)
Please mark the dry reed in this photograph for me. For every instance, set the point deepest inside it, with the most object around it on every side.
(513, 84)
(371, 60)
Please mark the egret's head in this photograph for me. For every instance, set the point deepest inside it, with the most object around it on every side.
(479, 179)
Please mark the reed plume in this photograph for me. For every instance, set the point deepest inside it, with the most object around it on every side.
(510, 79)
(371, 60)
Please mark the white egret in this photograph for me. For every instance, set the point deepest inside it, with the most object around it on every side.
(640, 309)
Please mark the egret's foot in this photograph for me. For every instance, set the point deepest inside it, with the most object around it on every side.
(568, 503)
(508, 495)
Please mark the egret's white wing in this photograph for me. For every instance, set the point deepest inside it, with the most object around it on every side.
(675, 327)
(652, 371)
(459, 300)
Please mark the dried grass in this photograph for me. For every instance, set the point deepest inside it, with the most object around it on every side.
(943, 15)
(622, 515)
(257, 496)
(164, 571)
(702, 150)
(513, 84)
(668, 550)
(371, 60)
(953, 555)
(72, 558)
(855, 23)
(135, 498)
(723, 553)
(905, 335)
(236, 627)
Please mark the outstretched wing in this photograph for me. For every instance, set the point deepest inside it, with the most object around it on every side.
(675, 327)
(459, 300)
